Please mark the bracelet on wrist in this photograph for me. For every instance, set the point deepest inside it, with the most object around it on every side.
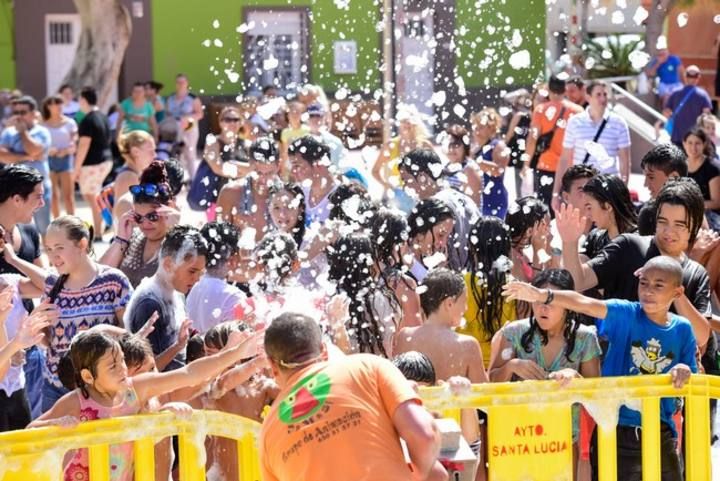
(121, 240)
(550, 297)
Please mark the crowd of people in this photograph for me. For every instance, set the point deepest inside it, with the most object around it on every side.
(304, 302)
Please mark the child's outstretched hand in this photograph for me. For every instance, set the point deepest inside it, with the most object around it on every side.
(564, 376)
(680, 375)
(64, 422)
(181, 410)
(149, 326)
(6, 297)
(459, 385)
(251, 343)
(523, 291)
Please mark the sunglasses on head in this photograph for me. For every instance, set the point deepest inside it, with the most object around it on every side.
(151, 190)
(231, 119)
(150, 216)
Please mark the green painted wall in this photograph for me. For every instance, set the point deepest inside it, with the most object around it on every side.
(181, 29)
(490, 31)
(7, 54)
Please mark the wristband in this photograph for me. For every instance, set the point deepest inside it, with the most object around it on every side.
(550, 297)
(121, 240)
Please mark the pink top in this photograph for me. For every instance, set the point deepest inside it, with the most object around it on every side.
(121, 456)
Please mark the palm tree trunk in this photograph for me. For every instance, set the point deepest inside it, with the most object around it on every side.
(106, 30)
(655, 23)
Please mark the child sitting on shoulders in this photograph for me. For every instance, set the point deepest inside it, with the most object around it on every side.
(645, 338)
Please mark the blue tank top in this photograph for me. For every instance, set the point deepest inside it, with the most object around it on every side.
(495, 195)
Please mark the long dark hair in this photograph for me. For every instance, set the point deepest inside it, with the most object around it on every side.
(86, 350)
(298, 232)
(388, 232)
(351, 262)
(700, 134)
(559, 279)
(489, 264)
(610, 189)
(523, 215)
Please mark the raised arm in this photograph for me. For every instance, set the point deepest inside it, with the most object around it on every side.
(36, 274)
(202, 370)
(571, 225)
(570, 300)
(416, 426)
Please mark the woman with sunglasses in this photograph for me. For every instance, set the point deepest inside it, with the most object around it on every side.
(64, 134)
(138, 150)
(135, 251)
(225, 154)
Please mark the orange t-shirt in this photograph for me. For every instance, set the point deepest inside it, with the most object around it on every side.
(334, 421)
(544, 118)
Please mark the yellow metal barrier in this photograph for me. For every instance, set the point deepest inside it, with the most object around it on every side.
(37, 454)
(529, 431)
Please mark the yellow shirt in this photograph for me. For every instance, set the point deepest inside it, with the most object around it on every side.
(288, 135)
(474, 328)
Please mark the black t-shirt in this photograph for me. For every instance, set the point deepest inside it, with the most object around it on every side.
(595, 241)
(95, 125)
(646, 218)
(165, 333)
(703, 176)
(616, 264)
(29, 251)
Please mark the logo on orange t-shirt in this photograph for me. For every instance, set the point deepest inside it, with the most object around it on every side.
(305, 399)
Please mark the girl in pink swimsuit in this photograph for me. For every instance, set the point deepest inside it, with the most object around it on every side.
(105, 391)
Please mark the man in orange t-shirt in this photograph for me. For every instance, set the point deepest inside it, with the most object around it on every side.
(341, 419)
(546, 117)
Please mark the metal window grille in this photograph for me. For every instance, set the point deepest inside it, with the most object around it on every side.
(60, 33)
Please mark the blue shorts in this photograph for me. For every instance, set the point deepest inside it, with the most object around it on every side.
(61, 164)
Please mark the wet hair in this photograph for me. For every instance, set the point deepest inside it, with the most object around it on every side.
(298, 195)
(76, 230)
(310, 150)
(18, 180)
(86, 350)
(577, 172)
(195, 348)
(222, 239)
(352, 205)
(134, 138)
(422, 161)
(183, 242)
(292, 337)
(593, 84)
(667, 158)
(684, 192)
(576, 80)
(562, 280)
(700, 134)
(489, 264)
(556, 85)
(47, 102)
(136, 350)
(155, 174)
(389, 231)
(457, 134)
(439, 285)
(89, 94)
(610, 189)
(668, 266)
(523, 215)
(26, 100)
(217, 336)
(175, 175)
(416, 366)
(264, 150)
(277, 252)
(351, 263)
(427, 214)
(66, 372)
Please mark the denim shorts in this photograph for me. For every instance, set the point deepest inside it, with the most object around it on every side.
(61, 164)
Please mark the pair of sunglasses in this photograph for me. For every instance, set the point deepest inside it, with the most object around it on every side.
(151, 190)
(150, 216)
(233, 120)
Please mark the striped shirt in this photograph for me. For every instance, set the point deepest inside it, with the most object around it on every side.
(82, 309)
(581, 131)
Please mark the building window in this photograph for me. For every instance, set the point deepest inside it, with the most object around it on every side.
(61, 33)
(276, 49)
